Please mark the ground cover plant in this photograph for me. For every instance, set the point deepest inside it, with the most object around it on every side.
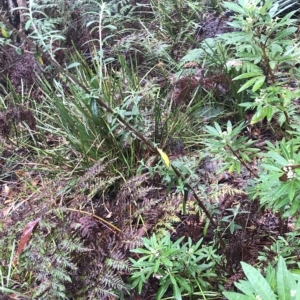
(149, 150)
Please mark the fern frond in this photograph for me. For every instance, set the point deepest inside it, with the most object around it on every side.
(227, 189)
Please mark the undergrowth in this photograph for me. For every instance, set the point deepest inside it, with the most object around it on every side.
(140, 158)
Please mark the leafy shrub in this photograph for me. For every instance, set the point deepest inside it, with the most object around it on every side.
(232, 149)
(277, 284)
(186, 268)
(278, 184)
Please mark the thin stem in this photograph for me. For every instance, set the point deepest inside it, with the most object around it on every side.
(242, 162)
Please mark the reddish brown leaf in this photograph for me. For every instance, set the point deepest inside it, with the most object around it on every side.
(26, 237)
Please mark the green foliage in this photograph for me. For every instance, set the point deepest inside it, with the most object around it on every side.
(286, 246)
(264, 45)
(185, 267)
(273, 101)
(280, 284)
(263, 39)
(126, 71)
(176, 18)
(43, 29)
(232, 149)
(230, 218)
(256, 54)
(186, 166)
(278, 184)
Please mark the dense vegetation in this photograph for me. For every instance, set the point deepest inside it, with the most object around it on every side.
(149, 150)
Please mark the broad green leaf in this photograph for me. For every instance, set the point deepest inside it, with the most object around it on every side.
(234, 7)
(260, 81)
(285, 151)
(247, 84)
(27, 25)
(211, 130)
(280, 201)
(236, 296)
(259, 115)
(258, 282)
(245, 287)
(292, 190)
(247, 104)
(297, 296)
(166, 262)
(183, 283)
(229, 127)
(162, 290)
(219, 129)
(279, 159)
(248, 75)
(269, 112)
(283, 281)
(272, 64)
(295, 207)
(141, 251)
(156, 266)
(231, 227)
(285, 32)
(273, 10)
(176, 290)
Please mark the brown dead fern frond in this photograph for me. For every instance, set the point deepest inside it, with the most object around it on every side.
(227, 189)
(134, 189)
(96, 179)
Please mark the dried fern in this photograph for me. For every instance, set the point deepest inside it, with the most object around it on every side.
(227, 189)
(95, 179)
(169, 209)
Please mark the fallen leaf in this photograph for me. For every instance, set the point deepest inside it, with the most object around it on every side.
(164, 157)
(26, 235)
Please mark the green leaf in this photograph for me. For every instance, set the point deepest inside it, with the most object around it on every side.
(260, 81)
(259, 115)
(269, 112)
(294, 209)
(298, 289)
(236, 296)
(283, 280)
(73, 65)
(27, 25)
(231, 227)
(258, 282)
(211, 130)
(176, 290)
(248, 75)
(284, 150)
(277, 158)
(183, 283)
(247, 84)
(166, 262)
(245, 287)
(141, 251)
(219, 129)
(162, 290)
(292, 190)
(285, 32)
(234, 7)
(156, 266)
